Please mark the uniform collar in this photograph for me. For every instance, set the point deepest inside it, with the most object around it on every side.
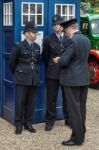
(74, 33)
(59, 35)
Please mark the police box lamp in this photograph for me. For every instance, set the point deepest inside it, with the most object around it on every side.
(68, 23)
(30, 27)
(57, 19)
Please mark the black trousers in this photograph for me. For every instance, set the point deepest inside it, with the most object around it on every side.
(76, 101)
(52, 92)
(24, 106)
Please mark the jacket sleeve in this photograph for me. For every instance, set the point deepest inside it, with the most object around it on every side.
(68, 54)
(13, 58)
(45, 52)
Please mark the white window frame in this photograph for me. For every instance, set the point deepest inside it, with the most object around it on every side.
(42, 14)
(67, 15)
(8, 14)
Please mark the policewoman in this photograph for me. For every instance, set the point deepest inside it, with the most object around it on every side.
(23, 62)
(53, 46)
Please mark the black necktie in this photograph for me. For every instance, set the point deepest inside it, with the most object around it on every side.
(60, 38)
(32, 45)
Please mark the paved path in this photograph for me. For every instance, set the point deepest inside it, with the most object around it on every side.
(52, 140)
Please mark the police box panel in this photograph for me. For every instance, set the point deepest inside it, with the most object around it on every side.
(7, 43)
(0, 58)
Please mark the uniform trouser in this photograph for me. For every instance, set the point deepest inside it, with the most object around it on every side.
(24, 106)
(52, 92)
(76, 102)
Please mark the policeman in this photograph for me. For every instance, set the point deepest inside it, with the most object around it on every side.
(74, 78)
(23, 63)
(53, 46)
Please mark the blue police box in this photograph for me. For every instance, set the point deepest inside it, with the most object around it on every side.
(15, 13)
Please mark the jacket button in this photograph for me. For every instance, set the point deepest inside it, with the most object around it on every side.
(20, 70)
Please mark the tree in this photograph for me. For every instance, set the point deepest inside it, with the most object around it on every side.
(84, 7)
(87, 4)
(92, 2)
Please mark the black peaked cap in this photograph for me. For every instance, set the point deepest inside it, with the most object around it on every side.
(68, 23)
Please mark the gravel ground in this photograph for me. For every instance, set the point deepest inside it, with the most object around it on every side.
(52, 140)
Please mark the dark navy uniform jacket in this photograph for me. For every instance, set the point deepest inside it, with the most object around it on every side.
(24, 62)
(73, 63)
(52, 48)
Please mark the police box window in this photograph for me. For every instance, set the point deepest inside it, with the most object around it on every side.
(7, 14)
(32, 12)
(67, 11)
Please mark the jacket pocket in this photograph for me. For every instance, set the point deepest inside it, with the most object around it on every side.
(21, 70)
(22, 76)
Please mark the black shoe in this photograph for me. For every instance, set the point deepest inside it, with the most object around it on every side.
(18, 130)
(71, 143)
(67, 123)
(30, 128)
(48, 127)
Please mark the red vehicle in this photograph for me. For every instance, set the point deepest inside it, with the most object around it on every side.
(90, 27)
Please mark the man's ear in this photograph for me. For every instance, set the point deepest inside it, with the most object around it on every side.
(61, 28)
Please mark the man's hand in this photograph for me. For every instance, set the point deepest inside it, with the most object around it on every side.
(56, 59)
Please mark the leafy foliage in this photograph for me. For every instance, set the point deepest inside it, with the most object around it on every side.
(92, 2)
(87, 4)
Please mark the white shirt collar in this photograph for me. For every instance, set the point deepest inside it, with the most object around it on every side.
(59, 35)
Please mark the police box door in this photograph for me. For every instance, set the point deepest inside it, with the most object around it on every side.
(34, 11)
